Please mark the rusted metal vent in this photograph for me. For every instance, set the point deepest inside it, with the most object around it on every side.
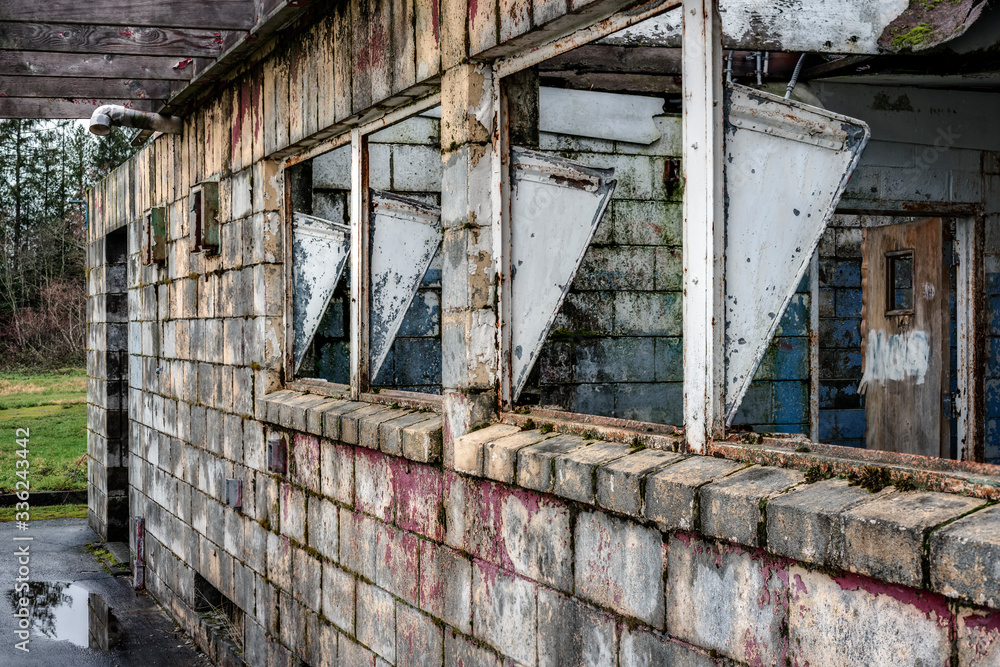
(277, 454)
(234, 493)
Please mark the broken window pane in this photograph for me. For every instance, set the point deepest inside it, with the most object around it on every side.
(899, 296)
(404, 176)
(321, 266)
(614, 345)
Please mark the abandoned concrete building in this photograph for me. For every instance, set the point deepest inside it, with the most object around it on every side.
(544, 333)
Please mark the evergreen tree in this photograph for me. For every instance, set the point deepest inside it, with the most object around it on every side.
(44, 165)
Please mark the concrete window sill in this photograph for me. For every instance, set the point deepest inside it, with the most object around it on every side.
(413, 433)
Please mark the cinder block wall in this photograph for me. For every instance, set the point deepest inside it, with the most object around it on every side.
(398, 534)
(108, 385)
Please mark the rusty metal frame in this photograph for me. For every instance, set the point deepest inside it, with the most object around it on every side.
(971, 333)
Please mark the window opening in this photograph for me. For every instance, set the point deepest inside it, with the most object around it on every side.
(321, 276)
(404, 254)
(899, 282)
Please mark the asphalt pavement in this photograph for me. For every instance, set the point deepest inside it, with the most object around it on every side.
(81, 615)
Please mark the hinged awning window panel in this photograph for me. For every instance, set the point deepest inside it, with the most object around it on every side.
(787, 165)
(405, 236)
(555, 207)
(320, 250)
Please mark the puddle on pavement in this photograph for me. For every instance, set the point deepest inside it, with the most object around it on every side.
(67, 612)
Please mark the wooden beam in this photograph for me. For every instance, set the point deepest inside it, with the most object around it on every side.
(40, 63)
(123, 40)
(614, 83)
(71, 87)
(216, 14)
(36, 107)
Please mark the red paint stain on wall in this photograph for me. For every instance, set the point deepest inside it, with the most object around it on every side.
(925, 601)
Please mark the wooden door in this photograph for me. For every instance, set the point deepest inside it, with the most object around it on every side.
(905, 338)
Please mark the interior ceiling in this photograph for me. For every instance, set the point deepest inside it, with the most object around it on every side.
(63, 58)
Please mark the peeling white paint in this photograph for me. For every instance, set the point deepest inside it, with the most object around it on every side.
(786, 166)
(320, 249)
(896, 357)
(556, 205)
(405, 235)
(586, 113)
(822, 26)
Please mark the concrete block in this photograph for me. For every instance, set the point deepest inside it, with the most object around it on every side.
(804, 524)
(964, 558)
(535, 463)
(446, 585)
(304, 460)
(515, 529)
(293, 513)
(731, 508)
(357, 543)
(322, 645)
(747, 593)
(422, 442)
(338, 597)
(978, 637)
(418, 491)
(376, 620)
(619, 482)
(373, 484)
(416, 168)
(390, 436)
(885, 538)
(462, 652)
(308, 584)
(500, 455)
(337, 471)
(619, 565)
(369, 426)
(397, 558)
(576, 471)
(332, 415)
(322, 529)
(642, 648)
(350, 423)
(279, 561)
(468, 449)
(419, 641)
(672, 494)
(352, 654)
(504, 611)
(573, 634)
(854, 620)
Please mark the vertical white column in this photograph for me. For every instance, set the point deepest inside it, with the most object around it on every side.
(704, 225)
(359, 263)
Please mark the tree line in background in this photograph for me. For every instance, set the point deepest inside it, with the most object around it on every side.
(44, 165)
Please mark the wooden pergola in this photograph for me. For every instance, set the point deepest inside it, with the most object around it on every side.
(63, 58)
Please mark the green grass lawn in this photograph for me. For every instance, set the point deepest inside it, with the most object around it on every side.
(53, 407)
